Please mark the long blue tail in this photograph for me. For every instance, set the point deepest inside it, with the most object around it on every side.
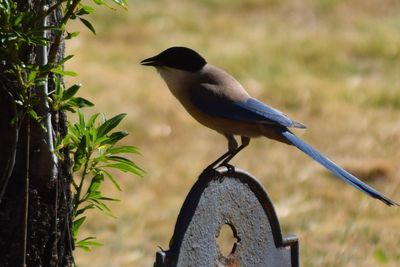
(335, 169)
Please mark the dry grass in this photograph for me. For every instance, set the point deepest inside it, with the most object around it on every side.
(332, 64)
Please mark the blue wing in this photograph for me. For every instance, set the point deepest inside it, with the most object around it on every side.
(250, 110)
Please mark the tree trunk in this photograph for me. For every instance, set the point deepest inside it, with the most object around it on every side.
(46, 233)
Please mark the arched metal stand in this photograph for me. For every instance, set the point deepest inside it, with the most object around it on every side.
(235, 198)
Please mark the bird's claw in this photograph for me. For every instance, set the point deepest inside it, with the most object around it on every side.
(230, 168)
(207, 172)
(211, 171)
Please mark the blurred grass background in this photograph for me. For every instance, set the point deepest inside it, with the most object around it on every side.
(331, 64)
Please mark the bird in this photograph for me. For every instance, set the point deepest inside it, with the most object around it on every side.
(218, 101)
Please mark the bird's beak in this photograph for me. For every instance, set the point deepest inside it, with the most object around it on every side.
(151, 61)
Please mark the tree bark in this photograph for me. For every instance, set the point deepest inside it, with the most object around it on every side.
(48, 226)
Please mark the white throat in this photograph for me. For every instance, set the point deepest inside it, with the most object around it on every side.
(176, 80)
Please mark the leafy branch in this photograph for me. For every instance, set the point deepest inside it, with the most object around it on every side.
(92, 143)
(22, 30)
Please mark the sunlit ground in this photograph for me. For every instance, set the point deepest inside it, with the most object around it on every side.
(333, 65)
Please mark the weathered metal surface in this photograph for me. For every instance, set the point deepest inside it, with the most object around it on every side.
(234, 198)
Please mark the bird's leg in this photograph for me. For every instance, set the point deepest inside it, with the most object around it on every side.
(232, 147)
(225, 162)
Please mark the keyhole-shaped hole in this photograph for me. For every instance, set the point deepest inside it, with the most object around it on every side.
(226, 240)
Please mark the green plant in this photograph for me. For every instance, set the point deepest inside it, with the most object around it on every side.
(92, 144)
(65, 99)
(93, 148)
(25, 30)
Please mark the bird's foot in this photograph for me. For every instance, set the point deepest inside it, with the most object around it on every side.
(210, 172)
(230, 168)
(216, 175)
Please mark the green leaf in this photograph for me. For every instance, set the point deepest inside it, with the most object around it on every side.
(102, 207)
(59, 70)
(88, 25)
(85, 10)
(113, 138)
(110, 199)
(19, 18)
(96, 182)
(65, 59)
(39, 40)
(80, 102)
(70, 92)
(73, 133)
(69, 73)
(76, 225)
(120, 159)
(99, 2)
(112, 179)
(80, 154)
(92, 119)
(71, 35)
(94, 195)
(32, 75)
(131, 168)
(34, 115)
(82, 210)
(110, 124)
(87, 243)
(123, 149)
(81, 121)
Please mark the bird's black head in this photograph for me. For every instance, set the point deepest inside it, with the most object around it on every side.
(177, 57)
